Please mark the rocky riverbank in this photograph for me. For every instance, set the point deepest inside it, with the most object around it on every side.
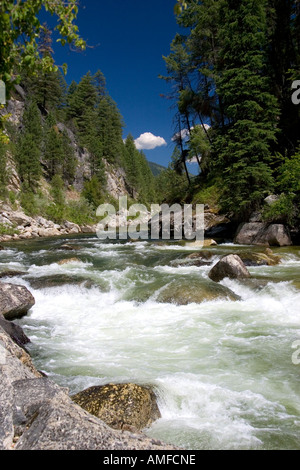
(21, 227)
(16, 225)
(37, 414)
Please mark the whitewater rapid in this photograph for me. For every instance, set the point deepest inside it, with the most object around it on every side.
(222, 370)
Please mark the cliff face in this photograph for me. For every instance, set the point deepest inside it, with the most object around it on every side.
(115, 176)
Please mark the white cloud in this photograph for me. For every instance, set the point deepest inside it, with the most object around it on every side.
(194, 159)
(148, 141)
(185, 132)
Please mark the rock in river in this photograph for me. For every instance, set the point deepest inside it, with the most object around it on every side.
(187, 291)
(15, 301)
(229, 266)
(121, 406)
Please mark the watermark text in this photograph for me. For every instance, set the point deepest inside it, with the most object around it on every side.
(163, 222)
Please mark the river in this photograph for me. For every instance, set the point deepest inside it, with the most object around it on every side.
(222, 369)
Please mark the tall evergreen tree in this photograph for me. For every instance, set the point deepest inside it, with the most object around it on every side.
(29, 148)
(53, 148)
(251, 110)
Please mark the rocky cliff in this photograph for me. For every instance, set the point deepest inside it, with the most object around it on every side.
(115, 176)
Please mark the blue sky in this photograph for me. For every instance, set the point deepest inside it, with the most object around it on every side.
(128, 39)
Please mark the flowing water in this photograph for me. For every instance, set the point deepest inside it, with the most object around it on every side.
(222, 369)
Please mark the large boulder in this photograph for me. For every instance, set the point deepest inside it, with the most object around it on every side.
(20, 219)
(59, 424)
(120, 406)
(229, 266)
(15, 301)
(258, 233)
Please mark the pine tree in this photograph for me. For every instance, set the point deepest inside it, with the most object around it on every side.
(130, 162)
(46, 88)
(53, 148)
(81, 99)
(251, 110)
(28, 152)
(110, 129)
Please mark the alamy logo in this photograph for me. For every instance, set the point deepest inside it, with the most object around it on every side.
(2, 92)
(160, 222)
(296, 94)
(2, 355)
(296, 354)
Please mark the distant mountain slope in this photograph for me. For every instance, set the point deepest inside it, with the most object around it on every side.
(156, 168)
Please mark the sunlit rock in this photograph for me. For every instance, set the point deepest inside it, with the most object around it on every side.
(121, 406)
(15, 301)
(229, 266)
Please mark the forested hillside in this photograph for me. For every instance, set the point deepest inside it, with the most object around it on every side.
(231, 74)
(66, 148)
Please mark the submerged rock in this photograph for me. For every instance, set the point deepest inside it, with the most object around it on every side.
(56, 280)
(4, 274)
(120, 406)
(15, 301)
(68, 261)
(229, 266)
(69, 247)
(184, 292)
(201, 244)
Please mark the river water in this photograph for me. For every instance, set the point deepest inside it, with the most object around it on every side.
(224, 369)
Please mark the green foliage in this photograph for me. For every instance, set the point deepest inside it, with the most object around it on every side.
(229, 70)
(283, 210)
(289, 174)
(80, 212)
(28, 152)
(208, 194)
(170, 186)
(156, 168)
(138, 173)
(8, 230)
(92, 192)
(20, 29)
(29, 203)
(286, 208)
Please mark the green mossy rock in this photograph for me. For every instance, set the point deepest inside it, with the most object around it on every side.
(267, 258)
(120, 406)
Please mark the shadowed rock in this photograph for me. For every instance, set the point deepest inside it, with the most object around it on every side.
(14, 331)
(4, 274)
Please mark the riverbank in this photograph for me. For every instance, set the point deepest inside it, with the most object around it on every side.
(16, 225)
